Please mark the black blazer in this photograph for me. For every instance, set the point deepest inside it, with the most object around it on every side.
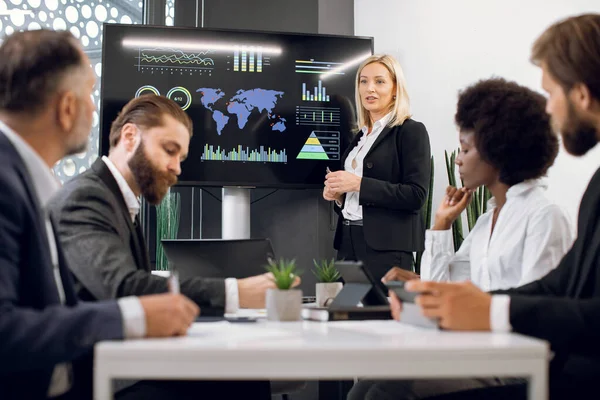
(563, 307)
(36, 331)
(396, 173)
(107, 256)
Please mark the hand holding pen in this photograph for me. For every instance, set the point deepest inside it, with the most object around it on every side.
(329, 194)
(173, 282)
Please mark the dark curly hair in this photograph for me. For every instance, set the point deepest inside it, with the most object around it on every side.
(511, 129)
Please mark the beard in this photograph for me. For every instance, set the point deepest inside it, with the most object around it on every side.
(579, 135)
(153, 183)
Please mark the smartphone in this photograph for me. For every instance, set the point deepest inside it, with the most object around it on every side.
(411, 313)
(404, 295)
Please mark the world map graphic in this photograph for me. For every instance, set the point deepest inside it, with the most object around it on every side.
(242, 105)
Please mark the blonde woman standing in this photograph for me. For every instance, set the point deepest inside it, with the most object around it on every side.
(386, 170)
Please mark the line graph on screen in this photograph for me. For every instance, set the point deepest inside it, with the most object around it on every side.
(174, 58)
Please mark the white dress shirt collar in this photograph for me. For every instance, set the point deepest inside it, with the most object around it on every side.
(379, 124)
(132, 202)
(44, 181)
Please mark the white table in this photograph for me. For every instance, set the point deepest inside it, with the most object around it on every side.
(320, 351)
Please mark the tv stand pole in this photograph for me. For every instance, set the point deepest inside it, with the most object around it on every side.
(235, 213)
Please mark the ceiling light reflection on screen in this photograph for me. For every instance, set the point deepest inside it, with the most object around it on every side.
(191, 46)
(345, 66)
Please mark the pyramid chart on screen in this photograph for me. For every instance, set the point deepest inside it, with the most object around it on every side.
(312, 149)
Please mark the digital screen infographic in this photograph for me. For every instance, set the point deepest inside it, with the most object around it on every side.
(269, 109)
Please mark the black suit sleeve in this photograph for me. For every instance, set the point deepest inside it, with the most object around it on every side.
(100, 259)
(37, 338)
(410, 194)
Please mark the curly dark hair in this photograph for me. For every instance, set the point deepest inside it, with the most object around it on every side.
(511, 129)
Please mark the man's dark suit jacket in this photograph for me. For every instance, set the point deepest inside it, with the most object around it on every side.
(108, 258)
(396, 173)
(564, 306)
(36, 331)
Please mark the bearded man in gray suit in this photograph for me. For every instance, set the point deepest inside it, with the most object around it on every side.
(97, 214)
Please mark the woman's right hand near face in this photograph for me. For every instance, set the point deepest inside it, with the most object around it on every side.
(453, 204)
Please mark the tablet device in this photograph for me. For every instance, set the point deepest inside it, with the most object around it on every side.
(353, 271)
(411, 313)
(359, 286)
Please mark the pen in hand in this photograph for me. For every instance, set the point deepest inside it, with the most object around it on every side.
(173, 282)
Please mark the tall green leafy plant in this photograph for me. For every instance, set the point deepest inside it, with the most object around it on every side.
(457, 231)
(167, 225)
(477, 206)
(426, 211)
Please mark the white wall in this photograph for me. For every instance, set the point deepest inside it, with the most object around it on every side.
(445, 45)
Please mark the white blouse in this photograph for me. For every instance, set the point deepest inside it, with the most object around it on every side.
(352, 209)
(530, 238)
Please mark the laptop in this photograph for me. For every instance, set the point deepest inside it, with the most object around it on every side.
(218, 258)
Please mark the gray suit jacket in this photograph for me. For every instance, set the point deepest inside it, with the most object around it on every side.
(106, 255)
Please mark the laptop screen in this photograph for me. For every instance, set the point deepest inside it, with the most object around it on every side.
(218, 258)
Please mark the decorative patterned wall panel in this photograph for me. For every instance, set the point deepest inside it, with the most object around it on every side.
(84, 19)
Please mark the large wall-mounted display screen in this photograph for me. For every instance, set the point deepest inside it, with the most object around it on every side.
(269, 109)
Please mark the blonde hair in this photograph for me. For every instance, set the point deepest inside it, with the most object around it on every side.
(400, 107)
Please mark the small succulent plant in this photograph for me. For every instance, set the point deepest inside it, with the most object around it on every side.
(325, 271)
(284, 273)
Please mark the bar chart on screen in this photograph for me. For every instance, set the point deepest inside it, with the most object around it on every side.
(249, 59)
(243, 154)
(319, 93)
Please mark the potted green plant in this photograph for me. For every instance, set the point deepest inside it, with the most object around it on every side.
(283, 303)
(328, 286)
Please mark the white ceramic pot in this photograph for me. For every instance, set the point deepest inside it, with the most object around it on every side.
(284, 305)
(326, 292)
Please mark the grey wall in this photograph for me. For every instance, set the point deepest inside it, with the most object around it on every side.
(336, 17)
(269, 15)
